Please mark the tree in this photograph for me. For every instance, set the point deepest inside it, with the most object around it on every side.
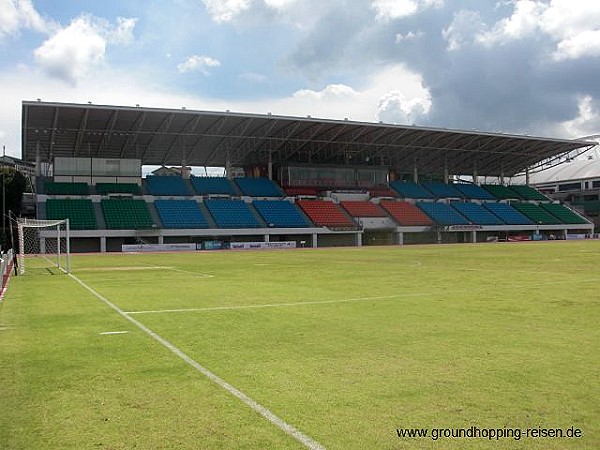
(13, 184)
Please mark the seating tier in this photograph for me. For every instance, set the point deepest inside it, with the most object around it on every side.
(213, 186)
(126, 214)
(406, 214)
(258, 187)
(180, 214)
(477, 214)
(408, 189)
(442, 190)
(166, 186)
(281, 214)
(564, 214)
(324, 213)
(117, 188)
(80, 212)
(507, 213)
(442, 213)
(232, 214)
(536, 213)
(363, 209)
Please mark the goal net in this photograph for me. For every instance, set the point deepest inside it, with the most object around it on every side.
(43, 244)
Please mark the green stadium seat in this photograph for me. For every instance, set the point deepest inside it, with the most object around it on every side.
(126, 214)
(80, 212)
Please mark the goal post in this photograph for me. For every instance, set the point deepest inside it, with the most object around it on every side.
(48, 241)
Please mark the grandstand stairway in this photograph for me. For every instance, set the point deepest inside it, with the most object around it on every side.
(99, 216)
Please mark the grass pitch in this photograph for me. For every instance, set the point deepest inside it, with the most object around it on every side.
(349, 346)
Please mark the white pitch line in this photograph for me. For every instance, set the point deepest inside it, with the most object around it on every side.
(305, 440)
(106, 333)
(268, 305)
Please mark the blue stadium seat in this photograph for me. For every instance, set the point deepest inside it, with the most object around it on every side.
(507, 213)
(161, 185)
(213, 186)
(232, 214)
(280, 214)
(473, 191)
(180, 214)
(408, 189)
(442, 190)
(258, 187)
(476, 213)
(442, 213)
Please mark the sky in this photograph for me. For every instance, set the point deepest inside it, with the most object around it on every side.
(524, 67)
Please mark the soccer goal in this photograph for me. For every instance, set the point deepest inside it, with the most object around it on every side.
(44, 244)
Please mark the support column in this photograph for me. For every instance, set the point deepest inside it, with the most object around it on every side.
(38, 160)
(416, 173)
(270, 167)
(475, 174)
(161, 240)
(266, 238)
(400, 237)
(43, 245)
(474, 237)
(527, 176)
(315, 240)
(103, 244)
(359, 239)
(446, 174)
(227, 164)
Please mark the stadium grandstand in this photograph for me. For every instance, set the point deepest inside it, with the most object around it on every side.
(574, 182)
(306, 181)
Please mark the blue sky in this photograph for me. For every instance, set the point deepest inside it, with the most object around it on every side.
(527, 66)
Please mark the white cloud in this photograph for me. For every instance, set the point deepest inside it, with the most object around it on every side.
(573, 25)
(331, 92)
(587, 121)
(72, 52)
(586, 43)
(17, 14)
(225, 10)
(410, 36)
(464, 27)
(123, 32)
(524, 21)
(394, 107)
(394, 9)
(198, 63)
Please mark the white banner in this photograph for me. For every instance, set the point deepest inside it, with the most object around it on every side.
(261, 245)
(158, 248)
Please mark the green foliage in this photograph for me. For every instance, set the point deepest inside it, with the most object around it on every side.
(363, 341)
(12, 184)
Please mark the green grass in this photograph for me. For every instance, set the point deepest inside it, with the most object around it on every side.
(493, 336)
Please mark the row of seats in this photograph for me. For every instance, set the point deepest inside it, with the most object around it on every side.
(436, 190)
(263, 187)
(182, 214)
(174, 186)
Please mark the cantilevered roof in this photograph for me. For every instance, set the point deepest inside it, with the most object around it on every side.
(209, 138)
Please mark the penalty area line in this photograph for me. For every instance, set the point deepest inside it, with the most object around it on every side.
(305, 440)
(268, 305)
